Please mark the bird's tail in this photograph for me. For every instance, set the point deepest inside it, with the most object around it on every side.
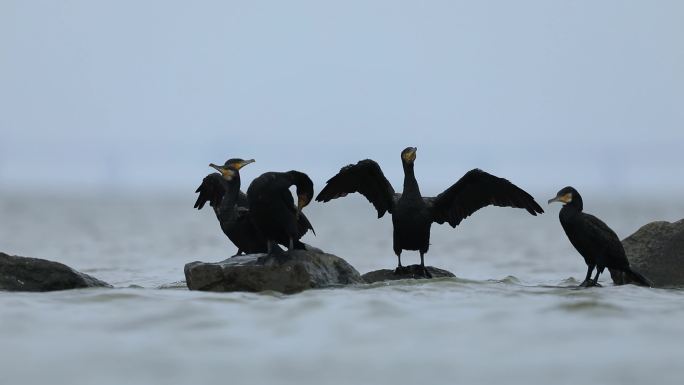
(638, 278)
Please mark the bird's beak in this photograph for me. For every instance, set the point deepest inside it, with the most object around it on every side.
(226, 172)
(567, 198)
(302, 201)
(244, 163)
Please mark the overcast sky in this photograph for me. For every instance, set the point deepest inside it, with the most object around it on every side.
(133, 95)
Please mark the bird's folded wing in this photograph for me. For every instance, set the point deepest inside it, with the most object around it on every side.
(602, 237)
(211, 190)
(475, 190)
(366, 178)
(303, 225)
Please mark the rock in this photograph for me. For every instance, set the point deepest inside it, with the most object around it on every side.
(33, 274)
(409, 272)
(289, 272)
(656, 250)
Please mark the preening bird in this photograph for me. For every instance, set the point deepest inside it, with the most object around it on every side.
(593, 239)
(413, 214)
(222, 191)
(273, 211)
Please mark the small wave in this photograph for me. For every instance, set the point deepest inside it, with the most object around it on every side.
(174, 285)
(509, 280)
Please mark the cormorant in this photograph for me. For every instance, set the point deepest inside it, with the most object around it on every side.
(273, 211)
(413, 214)
(593, 239)
(222, 191)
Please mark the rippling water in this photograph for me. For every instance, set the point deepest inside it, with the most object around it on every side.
(512, 316)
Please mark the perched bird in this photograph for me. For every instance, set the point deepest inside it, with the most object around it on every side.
(593, 239)
(272, 208)
(222, 191)
(412, 214)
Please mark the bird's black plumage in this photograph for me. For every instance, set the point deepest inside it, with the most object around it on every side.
(413, 214)
(222, 191)
(593, 239)
(272, 208)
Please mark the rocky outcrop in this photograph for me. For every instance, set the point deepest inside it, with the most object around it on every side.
(33, 274)
(289, 272)
(657, 251)
(409, 272)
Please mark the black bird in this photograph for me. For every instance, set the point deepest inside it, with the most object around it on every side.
(412, 214)
(222, 191)
(273, 211)
(593, 239)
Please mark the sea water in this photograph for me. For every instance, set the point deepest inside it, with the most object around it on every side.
(513, 315)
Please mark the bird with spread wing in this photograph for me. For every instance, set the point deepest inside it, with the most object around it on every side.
(413, 214)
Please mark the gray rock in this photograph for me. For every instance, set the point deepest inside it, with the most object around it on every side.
(657, 251)
(409, 272)
(33, 274)
(287, 273)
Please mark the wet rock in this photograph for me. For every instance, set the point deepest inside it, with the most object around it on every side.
(33, 274)
(409, 272)
(289, 272)
(657, 251)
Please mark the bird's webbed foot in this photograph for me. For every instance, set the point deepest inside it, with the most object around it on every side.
(426, 273)
(589, 283)
(401, 270)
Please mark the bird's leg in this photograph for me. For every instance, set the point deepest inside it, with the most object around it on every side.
(269, 247)
(599, 270)
(290, 246)
(426, 273)
(400, 268)
(587, 280)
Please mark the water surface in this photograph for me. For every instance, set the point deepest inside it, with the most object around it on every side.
(513, 314)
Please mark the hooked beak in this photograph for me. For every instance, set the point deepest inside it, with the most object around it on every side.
(567, 198)
(244, 163)
(226, 172)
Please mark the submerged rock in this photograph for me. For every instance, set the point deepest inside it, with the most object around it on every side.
(656, 250)
(289, 272)
(33, 274)
(409, 272)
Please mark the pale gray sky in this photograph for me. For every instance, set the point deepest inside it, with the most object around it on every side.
(144, 94)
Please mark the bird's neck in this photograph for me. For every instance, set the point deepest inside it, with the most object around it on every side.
(410, 182)
(230, 198)
(301, 181)
(569, 212)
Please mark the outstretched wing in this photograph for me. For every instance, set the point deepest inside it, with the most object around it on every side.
(211, 190)
(366, 178)
(475, 190)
